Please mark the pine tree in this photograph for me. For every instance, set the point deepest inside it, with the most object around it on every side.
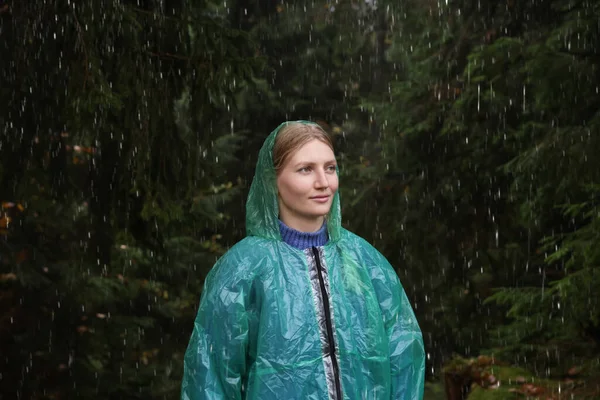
(116, 135)
(479, 150)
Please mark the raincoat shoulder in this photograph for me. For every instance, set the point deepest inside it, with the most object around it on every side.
(378, 266)
(215, 360)
(240, 263)
(406, 354)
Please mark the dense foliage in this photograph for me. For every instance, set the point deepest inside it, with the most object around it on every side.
(467, 133)
(113, 175)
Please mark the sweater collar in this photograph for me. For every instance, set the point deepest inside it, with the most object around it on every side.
(303, 240)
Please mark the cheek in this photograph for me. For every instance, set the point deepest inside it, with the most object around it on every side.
(334, 183)
(301, 187)
(288, 187)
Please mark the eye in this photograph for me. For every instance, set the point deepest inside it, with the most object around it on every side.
(304, 170)
(331, 168)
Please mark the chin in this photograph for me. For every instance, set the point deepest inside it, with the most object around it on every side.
(320, 212)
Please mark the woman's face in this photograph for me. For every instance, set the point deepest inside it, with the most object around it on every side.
(306, 185)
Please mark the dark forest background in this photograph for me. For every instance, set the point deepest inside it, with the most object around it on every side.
(468, 133)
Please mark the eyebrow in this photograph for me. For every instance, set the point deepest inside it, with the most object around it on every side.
(313, 163)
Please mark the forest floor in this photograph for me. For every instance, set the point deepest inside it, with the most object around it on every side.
(483, 378)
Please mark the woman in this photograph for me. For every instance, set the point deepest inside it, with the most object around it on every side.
(302, 308)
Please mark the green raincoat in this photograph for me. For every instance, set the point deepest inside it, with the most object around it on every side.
(275, 322)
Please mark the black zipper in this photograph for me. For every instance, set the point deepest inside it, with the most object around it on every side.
(330, 338)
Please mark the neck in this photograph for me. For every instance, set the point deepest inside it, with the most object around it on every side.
(302, 225)
(303, 240)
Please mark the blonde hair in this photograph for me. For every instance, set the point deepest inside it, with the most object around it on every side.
(292, 137)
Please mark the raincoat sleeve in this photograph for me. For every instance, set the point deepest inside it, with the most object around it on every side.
(407, 355)
(215, 360)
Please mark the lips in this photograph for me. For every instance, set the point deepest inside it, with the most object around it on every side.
(320, 199)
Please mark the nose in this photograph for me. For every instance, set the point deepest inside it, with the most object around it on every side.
(321, 181)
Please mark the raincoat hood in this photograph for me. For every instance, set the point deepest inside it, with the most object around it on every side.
(262, 207)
